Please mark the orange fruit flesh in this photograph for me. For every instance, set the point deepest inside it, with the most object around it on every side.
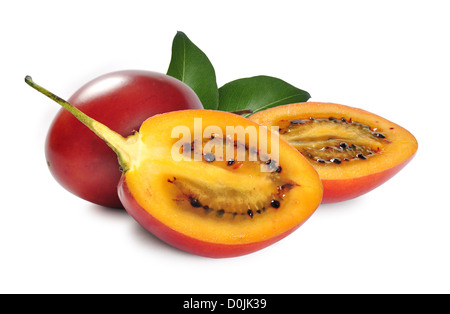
(362, 142)
(214, 199)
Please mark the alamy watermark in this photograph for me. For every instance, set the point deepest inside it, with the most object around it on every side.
(239, 143)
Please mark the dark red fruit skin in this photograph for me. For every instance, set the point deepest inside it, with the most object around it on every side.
(78, 159)
(186, 243)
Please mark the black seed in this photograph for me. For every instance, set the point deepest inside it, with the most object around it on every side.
(321, 160)
(346, 159)
(275, 204)
(278, 169)
(209, 157)
(250, 213)
(259, 211)
(230, 162)
(207, 209)
(195, 202)
(273, 165)
(336, 160)
(344, 120)
(379, 135)
(220, 213)
(361, 156)
(333, 119)
(343, 145)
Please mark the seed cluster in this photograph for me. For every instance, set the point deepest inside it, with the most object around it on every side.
(195, 203)
(274, 200)
(274, 203)
(345, 152)
(336, 149)
(372, 132)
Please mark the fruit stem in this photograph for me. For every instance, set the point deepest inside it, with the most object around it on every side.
(119, 144)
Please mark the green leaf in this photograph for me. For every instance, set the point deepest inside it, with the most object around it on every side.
(258, 93)
(190, 65)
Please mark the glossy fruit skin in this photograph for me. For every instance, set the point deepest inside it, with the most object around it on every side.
(79, 160)
(343, 190)
(186, 243)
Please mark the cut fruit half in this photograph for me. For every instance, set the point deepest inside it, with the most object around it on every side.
(353, 150)
(226, 197)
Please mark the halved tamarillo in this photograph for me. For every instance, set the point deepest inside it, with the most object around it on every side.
(353, 150)
(208, 182)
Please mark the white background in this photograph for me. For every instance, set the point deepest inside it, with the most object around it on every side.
(388, 57)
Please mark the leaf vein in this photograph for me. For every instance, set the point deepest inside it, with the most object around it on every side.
(281, 99)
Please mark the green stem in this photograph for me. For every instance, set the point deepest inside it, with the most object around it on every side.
(117, 142)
